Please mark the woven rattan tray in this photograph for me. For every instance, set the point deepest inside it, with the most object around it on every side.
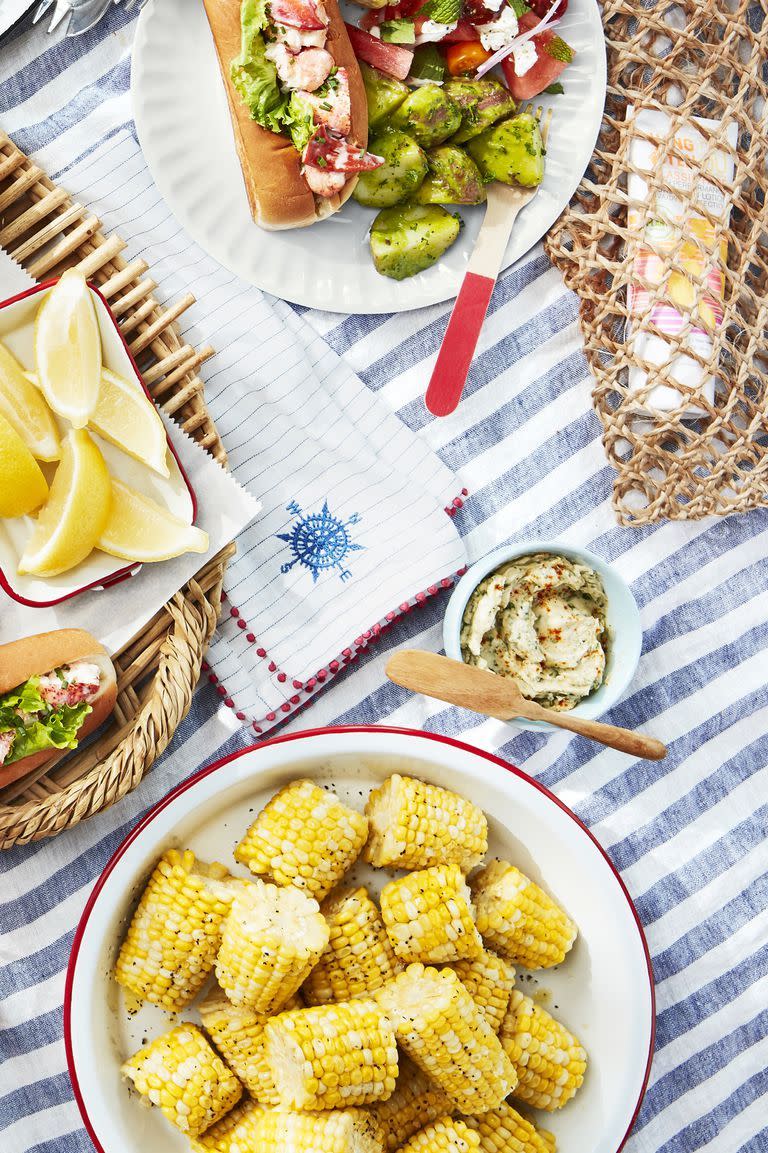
(693, 58)
(157, 671)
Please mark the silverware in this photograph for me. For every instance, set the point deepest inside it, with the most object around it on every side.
(83, 14)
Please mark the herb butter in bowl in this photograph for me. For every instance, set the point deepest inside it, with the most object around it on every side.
(558, 620)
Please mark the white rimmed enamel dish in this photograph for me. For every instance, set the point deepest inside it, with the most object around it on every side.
(183, 123)
(98, 570)
(603, 992)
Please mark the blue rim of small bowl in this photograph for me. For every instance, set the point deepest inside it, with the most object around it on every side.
(623, 621)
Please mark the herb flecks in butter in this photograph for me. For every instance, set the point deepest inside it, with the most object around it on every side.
(540, 619)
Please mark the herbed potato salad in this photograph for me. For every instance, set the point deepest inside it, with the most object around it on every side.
(441, 123)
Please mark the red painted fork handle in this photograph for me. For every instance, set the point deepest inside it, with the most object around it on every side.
(458, 348)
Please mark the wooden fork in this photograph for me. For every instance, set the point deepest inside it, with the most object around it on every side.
(458, 348)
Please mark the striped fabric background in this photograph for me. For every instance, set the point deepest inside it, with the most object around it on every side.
(688, 834)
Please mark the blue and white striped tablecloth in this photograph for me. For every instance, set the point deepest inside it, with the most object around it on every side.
(688, 834)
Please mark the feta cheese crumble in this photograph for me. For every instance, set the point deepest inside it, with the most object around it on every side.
(499, 33)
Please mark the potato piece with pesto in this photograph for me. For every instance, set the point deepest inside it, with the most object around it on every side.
(428, 115)
(401, 174)
(540, 619)
(408, 239)
(482, 103)
(383, 94)
(512, 152)
(453, 178)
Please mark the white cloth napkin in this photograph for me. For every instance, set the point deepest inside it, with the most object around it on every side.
(356, 521)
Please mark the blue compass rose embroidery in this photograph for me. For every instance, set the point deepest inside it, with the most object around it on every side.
(319, 541)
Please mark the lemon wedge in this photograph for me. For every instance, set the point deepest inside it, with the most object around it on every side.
(68, 349)
(74, 516)
(139, 529)
(22, 405)
(23, 487)
(127, 418)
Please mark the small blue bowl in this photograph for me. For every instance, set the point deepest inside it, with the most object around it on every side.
(623, 618)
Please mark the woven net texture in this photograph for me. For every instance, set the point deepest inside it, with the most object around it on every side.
(665, 243)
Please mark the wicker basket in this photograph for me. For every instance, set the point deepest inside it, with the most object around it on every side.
(158, 669)
(693, 58)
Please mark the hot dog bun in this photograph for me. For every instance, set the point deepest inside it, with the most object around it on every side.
(40, 654)
(278, 194)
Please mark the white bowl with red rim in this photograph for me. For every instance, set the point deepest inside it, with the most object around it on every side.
(99, 570)
(603, 991)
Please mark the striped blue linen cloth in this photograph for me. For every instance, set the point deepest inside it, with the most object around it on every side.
(688, 834)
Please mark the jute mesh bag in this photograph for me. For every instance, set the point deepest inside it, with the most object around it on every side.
(708, 454)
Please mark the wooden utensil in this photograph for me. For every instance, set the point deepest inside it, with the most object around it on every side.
(460, 341)
(495, 696)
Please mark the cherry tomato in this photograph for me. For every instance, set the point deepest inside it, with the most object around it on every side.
(466, 57)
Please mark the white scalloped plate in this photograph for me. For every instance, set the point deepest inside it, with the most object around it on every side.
(185, 131)
(603, 991)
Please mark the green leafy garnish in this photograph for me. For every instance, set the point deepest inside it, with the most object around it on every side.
(555, 89)
(398, 32)
(441, 11)
(519, 7)
(559, 50)
(36, 725)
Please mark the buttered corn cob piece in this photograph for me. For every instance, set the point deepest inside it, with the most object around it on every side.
(238, 1034)
(304, 837)
(443, 1136)
(414, 825)
(489, 979)
(548, 1138)
(180, 1073)
(504, 1130)
(519, 919)
(441, 1028)
(270, 940)
(358, 958)
(332, 1056)
(237, 1132)
(337, 1131)
(549, 1061)
(175, 933)
(428, 916)
(415, 1102)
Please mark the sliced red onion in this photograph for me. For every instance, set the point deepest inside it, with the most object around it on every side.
(523, 38)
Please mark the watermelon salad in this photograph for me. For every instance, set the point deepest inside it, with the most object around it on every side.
(433, 40)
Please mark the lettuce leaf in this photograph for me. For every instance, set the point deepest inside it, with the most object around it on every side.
(299, 121)
(47, 728)
(253, 75)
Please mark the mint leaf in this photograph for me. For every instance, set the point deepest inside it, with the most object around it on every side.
(441, 11)
(519, 7)
(559, 50)
(397, 32)
(555, 89)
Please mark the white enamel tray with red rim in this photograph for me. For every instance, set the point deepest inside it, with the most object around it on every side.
(17, 320)
(603, 991)
(183, 123)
